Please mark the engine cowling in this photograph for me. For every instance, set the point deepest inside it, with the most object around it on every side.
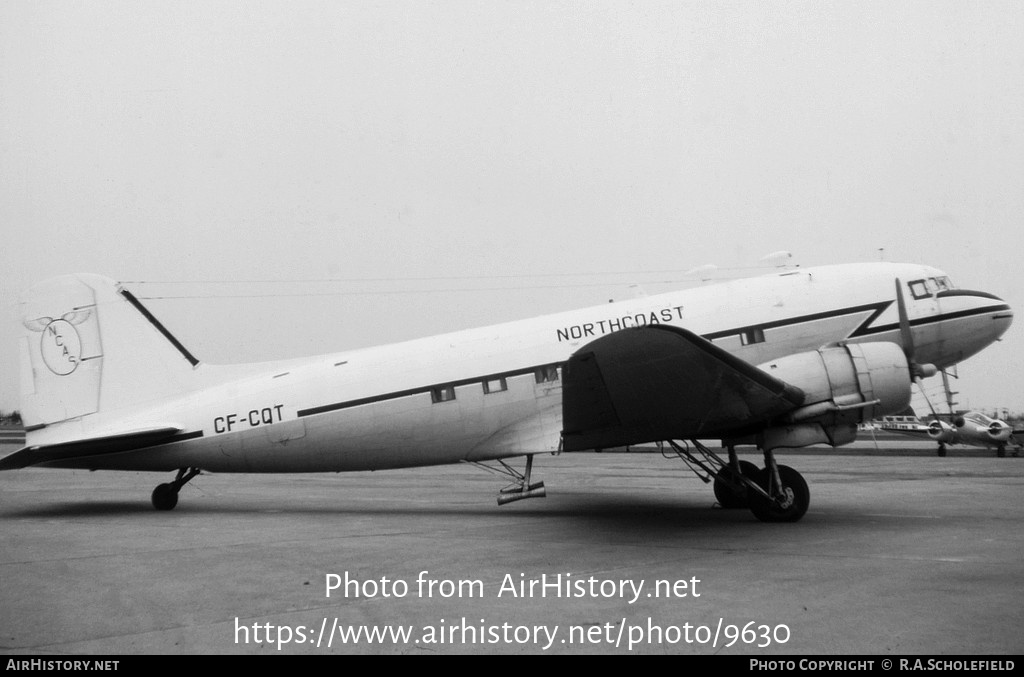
(844, 385)
(864, 380)
(999, 431)
(940, 431)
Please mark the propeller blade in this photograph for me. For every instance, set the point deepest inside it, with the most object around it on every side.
(924, 394)
(906, 336)
(917, 371)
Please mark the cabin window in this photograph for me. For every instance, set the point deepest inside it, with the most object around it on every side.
(918, 289)
(546, 374)
(495, 385)
(442, 394)
(752, 336)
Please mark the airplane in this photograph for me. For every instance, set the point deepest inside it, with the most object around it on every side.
(974, 429)
(787, 360)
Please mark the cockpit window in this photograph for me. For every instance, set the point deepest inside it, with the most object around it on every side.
(919, 289)
(930, 286)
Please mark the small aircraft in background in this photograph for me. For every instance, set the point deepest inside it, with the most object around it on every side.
(974, 429)
(786, 360)
(970, 428)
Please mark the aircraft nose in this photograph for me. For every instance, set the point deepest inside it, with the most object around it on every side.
(964, 302)
(1002, 317)
(976, 318)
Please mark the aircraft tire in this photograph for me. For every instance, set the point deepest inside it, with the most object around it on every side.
(727, 496)
(1001, 451)
(942, 450)
(798, 497)
(165, 497)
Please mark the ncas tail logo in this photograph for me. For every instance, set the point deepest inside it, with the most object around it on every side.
(60, 344)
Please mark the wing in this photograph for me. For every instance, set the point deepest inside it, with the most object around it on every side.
(661, 382)
(919, 433)
(94, 446)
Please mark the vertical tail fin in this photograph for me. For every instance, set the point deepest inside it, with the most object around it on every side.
(89, 346)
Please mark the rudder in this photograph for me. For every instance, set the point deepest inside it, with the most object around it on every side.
(89, 346)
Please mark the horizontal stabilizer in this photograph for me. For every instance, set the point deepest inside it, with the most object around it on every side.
(94, 446)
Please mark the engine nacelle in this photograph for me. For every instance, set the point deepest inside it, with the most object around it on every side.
(940, 431)
(846, 384)
(999, 431)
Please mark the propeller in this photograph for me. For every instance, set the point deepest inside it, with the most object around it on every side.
(941, 431)
(918, 371)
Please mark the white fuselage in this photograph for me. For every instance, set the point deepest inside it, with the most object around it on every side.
(495, 392)
(980, 430)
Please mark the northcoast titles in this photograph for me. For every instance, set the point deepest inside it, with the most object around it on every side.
(607, 326)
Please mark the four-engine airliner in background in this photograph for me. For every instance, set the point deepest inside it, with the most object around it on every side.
(790, 359)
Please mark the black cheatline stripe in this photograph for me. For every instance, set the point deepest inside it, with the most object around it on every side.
(863, 330)
(418, 391)
(324, 408)
(877, 308)
(160, 327)
(932, 320)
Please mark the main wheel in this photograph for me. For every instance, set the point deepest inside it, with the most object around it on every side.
(795, 497)
(728, 496)
(165, 497)
(942, 449)
(1001, 451)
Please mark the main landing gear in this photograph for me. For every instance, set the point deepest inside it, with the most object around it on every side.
(775, 493)
(165, 496)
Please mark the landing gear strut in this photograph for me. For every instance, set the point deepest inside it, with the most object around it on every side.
(165, 496)
(775, 494)
(730, 489)
(784, 496)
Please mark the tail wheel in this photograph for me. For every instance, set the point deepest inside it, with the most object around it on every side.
(165, 497)
(730, 490)
(790, 501)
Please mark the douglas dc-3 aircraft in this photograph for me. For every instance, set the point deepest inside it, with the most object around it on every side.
(786, 360)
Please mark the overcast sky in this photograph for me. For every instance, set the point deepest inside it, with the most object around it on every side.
(339, 174)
